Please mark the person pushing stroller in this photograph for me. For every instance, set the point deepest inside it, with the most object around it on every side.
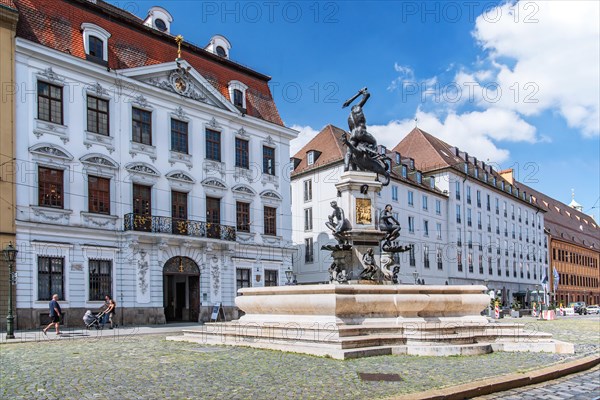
(110, 307)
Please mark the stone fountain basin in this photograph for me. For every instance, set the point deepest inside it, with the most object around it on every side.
(363, 304)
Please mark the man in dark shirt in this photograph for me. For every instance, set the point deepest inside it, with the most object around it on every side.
(55, 315)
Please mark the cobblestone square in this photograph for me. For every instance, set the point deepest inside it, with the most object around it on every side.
(121, 365)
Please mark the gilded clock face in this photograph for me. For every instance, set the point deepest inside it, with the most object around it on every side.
(180, 84)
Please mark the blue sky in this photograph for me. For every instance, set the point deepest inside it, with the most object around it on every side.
(513, 83)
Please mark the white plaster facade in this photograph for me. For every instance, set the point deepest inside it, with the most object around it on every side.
(75, 234)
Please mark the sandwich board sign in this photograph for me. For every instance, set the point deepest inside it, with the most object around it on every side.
(217, 312)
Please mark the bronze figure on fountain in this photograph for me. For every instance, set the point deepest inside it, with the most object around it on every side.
(338, 224)
(361, 153)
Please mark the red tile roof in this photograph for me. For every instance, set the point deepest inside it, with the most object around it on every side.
(8, 4)
(432, 154)
(566, 223)
(57, 23)
(328, 142)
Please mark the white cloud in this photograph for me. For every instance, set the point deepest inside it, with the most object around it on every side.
(545, 56)
(305, 136)
(405, 75)
(475, 132)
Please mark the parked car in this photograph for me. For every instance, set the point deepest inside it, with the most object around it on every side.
(593, 309)
(578, 307)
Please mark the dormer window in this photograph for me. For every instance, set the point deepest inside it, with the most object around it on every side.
(95, 43)
(412, 164)
(237, 94)
(404, 171)
(466, 168)
(219, 45)
(310, 159)
(419, 177)
(159, 19)
(398, 158)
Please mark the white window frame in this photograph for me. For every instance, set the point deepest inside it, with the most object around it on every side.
(89, 29)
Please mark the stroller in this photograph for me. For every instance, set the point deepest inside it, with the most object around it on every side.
(93, 321)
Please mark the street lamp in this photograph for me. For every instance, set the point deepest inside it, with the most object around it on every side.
(10, 254)
(416, 276)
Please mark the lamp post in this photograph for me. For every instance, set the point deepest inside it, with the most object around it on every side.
(416, 276)
(10, 254)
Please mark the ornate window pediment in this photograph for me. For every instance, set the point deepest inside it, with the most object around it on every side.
(180, 176)
(50, 76)
(244, 190)
(50, 150)
(142, 168)
(271, 195)
(99, 160)
(214, 183)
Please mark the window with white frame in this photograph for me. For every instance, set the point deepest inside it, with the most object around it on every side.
(394, 193)
(308, 219)
(95, 42)
(411, 224)
(50, 277)
(237, 94)
(309, 255)
(100, 279)
(308, 190)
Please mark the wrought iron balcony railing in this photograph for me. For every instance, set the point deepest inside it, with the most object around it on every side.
(175, 226)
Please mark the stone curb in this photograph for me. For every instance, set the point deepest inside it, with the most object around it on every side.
(505, 382)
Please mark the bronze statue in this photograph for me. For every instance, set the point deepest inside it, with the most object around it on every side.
(362, 146)
(338, 223)
(370, 268)
(388, 224)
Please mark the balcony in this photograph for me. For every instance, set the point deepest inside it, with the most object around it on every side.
(175, 226)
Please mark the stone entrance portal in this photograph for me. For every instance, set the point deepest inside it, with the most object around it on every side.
(181, 289)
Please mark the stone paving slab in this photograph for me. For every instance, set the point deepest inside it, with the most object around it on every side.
(145, 366)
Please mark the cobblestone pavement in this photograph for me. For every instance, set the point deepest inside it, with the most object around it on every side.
(584, 385)
(117, 366)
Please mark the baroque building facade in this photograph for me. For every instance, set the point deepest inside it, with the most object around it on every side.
(150, 169)
(467, 224)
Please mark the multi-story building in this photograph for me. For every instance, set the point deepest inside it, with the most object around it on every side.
(574, 249)
(468, 224)
(8, 26)
(497, 229)
(150, 169)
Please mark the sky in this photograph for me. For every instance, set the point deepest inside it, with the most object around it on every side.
(513, 83)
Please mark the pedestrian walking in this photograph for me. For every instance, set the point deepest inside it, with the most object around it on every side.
(55, 315)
